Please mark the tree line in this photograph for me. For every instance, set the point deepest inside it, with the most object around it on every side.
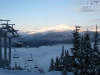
(85, 58)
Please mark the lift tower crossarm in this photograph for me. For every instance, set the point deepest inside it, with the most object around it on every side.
(5, 20)
(7, 24)
(14, 32)
(78, 28)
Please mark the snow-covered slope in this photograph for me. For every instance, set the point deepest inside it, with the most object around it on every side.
(41, 55)
(54, 73)
(23, 72)
(17, 72)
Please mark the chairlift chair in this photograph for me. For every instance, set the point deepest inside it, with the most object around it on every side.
(30, 58)
(36, 66)
(39, 69)
(26, 64)
(15, 54)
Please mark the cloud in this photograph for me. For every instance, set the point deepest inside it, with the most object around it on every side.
(62, 27)
(95, 0)
(87, 10)
(59, 28)
(88, 6)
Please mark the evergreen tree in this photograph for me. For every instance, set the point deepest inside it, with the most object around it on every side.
(65, 52)
(82, 53)
(86, 54)
(67, 61)
(51, 65)
(96, 41)
(61, 59)
(76, 43)
(19, 67)
(96, 54)
(86, 59)
(62, 54)
(64, 72)
(76, 48)
(57, 64)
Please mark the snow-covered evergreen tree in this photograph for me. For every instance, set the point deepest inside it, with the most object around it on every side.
(76, 48)
(87, 49)
(67, 64)
(95, 55)
(51, 65)
(62, 55)
(57, 63)
(64, 72)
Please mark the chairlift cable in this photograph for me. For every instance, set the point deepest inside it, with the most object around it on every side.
(20, 55)
(24, 52)
(34, 62)
(34, 59)
(36, 65)
(24, 60)
(15, 55)
(30, 58)
(26, 64)
(28, 51)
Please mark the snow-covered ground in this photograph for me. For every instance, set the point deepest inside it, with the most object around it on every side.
(41, 55)
(23, 72)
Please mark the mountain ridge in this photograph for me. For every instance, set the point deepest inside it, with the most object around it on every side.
(49, 38)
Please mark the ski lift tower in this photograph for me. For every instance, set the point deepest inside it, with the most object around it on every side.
(7, 32)
(77, 28)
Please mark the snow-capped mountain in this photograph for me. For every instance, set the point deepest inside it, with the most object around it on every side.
(60, 34)
(58, 28)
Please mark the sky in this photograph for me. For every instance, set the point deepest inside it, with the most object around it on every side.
(39, 14)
